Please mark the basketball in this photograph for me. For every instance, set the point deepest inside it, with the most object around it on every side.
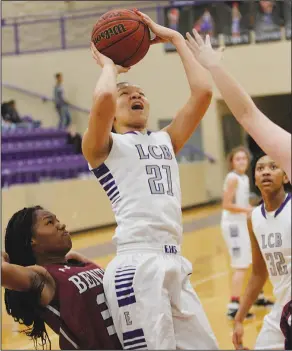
(121, 36)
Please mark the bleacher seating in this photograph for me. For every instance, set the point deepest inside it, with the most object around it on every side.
(39, 154)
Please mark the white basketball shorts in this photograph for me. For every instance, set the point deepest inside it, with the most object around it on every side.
(152, 302)
(271, 336)
(237, 239)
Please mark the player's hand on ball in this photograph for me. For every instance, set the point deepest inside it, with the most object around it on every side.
(163, 34)
(203, 51)
(237, 336)
(5, 257)
(103, 60)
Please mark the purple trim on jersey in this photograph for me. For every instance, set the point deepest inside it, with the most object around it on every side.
(131, 132)
(109, 186)
(139, 341)
(113, 196)
(279, 210)
(111, 192)
(125, 275)
(100, 171)
(116, 200)
(263, 210)
(148, 132)
(107, 181)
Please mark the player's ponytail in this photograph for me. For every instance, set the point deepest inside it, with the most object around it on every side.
(24, 307)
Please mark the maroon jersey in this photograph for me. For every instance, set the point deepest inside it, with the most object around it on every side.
(286, 325)
(78, 313)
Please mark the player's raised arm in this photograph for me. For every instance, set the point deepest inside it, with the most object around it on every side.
(274, 140)
(255, 285)
(35, 279)
(188, 118)
(96, 140)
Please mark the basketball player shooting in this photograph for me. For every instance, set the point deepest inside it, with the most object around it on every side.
(274, 140)
(269, 228)
(147, 284)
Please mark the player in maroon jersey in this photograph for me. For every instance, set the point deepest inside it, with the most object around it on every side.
(45, 283)
(286, 325)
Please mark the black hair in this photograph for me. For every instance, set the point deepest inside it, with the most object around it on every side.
(25, 307)
(257, 156)
(119, 85)
(122, 83)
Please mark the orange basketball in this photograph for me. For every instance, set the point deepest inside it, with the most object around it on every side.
(121, 36)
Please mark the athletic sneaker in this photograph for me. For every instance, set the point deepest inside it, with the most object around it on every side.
(232, 310)
(263, 302)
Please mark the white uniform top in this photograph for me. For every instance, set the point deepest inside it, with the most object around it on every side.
(141, 179)
(241, 197)
(273, 233)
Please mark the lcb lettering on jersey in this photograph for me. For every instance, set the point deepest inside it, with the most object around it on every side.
(108, 33)
(157, 152)
(272, 240)
(87, 280)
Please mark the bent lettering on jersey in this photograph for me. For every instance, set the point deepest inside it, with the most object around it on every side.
(87, 280)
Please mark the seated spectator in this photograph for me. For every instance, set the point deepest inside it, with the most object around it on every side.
(75, 139)
(11, 116)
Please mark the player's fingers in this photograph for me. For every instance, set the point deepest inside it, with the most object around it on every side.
(193, 49)
(208, 41)
(122, 69)
(192, 41)
(157, 40)
(198, 38)
(238, 341)
(144, 16)
(94, 51)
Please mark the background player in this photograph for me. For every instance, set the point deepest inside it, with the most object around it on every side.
(270, 232)
(274, 140)
(236, 207)
(147, 284)
(45, 284)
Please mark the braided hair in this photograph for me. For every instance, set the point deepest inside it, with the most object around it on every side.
(24, 307)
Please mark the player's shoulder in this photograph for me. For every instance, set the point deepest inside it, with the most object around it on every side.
(231, 177)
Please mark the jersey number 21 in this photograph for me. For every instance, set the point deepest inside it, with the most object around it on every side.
(156, 181)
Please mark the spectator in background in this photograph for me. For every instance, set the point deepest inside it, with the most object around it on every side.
(75, 139)
(11, 118)
(60, 103)
(9, 112)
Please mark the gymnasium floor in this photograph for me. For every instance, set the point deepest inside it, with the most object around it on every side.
(202, 245)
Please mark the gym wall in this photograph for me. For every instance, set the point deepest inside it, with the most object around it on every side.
(263, 69)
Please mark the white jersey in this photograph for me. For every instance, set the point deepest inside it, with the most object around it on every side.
(273, 233)
(241, 197)
(141, 179)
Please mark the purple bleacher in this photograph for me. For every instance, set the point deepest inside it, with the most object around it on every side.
(63, 167)
(33, 134)
(32, 152)
(30, 156)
